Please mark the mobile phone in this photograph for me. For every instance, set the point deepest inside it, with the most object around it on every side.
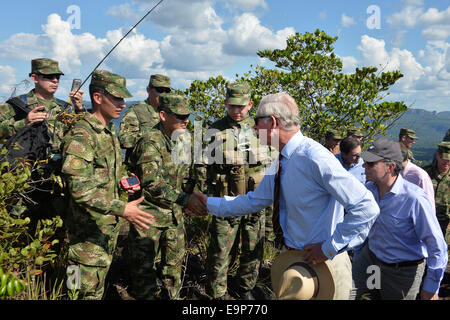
(76, 84)
(130, 182)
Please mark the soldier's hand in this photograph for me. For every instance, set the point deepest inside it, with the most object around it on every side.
(140, 219)
(195, 206)
(77, 99)
(201, 196)
(35, 116)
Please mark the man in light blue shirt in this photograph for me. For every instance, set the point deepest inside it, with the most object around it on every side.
(405, 234)
(314, 191)
(350, 158)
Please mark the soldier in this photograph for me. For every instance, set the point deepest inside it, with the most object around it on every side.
(92, 167)
(167, 188)
(355, 133)
(439, 173)
(332, 141)
(45, 74)
(447, 136)
(142, 116)
(407, 137)
(234, 174)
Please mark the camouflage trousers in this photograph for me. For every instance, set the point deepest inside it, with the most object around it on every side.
(91, 258)
(244, 235)
(144, 249)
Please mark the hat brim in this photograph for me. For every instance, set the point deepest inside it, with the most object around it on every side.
(368, 156)
(284, 260)
(238, 101)
(118, 91)
(413, 136)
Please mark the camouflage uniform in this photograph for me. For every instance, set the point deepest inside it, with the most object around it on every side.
(48, 205)
(92, 167)
(441, 184)
(447, 136)
(237, 175)
(332, 134)
(412, 134)
(165, 185)
(139, 118)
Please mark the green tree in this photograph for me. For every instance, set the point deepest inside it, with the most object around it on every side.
(310, 71)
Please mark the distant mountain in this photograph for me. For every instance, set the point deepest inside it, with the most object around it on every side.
(430, 127)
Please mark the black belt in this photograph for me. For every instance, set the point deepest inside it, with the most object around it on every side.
(399, 264)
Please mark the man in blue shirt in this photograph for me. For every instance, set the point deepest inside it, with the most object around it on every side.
(404, 236)
(350, 158)
(314, 191)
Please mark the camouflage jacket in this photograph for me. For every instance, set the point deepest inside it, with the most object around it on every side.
(10, 122)
(235, 161)
(164, 182)
(441, 184)
(135, 120)
(92, 168)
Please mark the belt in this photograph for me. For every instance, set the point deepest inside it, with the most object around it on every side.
(399, 264)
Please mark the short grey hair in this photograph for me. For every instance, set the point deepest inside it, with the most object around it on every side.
(281, 106)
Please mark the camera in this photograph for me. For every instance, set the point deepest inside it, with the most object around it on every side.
(130, 182)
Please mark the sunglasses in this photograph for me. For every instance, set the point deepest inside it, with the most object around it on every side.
(50, 76)
(180, 117)
(162, 89)
(260, 117)
(357, 155)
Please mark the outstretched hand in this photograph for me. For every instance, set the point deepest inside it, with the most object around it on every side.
(140, 219)
(196, 205)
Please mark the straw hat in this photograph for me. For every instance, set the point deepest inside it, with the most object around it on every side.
(294, 279)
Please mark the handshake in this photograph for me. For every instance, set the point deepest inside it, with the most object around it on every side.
(196, 205)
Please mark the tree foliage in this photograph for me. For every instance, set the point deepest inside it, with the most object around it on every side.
(311, 73)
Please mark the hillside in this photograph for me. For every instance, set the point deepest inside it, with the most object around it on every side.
(430, 127)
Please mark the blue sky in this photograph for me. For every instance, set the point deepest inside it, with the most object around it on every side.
(197, 39)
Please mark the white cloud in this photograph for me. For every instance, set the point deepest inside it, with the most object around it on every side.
(434, 16)
(349, 64)
(123, 11)
(374, 53)
(245, 5)
(436, 32)
(407, 17)
(8, 74)
(421, 83)
(247, 36)
(347, 21)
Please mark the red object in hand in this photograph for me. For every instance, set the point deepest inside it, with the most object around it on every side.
(130, 182)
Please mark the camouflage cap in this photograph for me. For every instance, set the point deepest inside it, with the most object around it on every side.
(238, 94)
(355, 132)
(447, 136)
(444, 150)
(159, 80)
(334, 134)
(408, 132)
(111, 82)
(45, 66)
(176, 103)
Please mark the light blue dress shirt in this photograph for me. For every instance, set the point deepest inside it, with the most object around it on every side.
(407, 230)
(315, 189)
(357, 169)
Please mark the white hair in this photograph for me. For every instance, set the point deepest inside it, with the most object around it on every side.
(281, 106)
